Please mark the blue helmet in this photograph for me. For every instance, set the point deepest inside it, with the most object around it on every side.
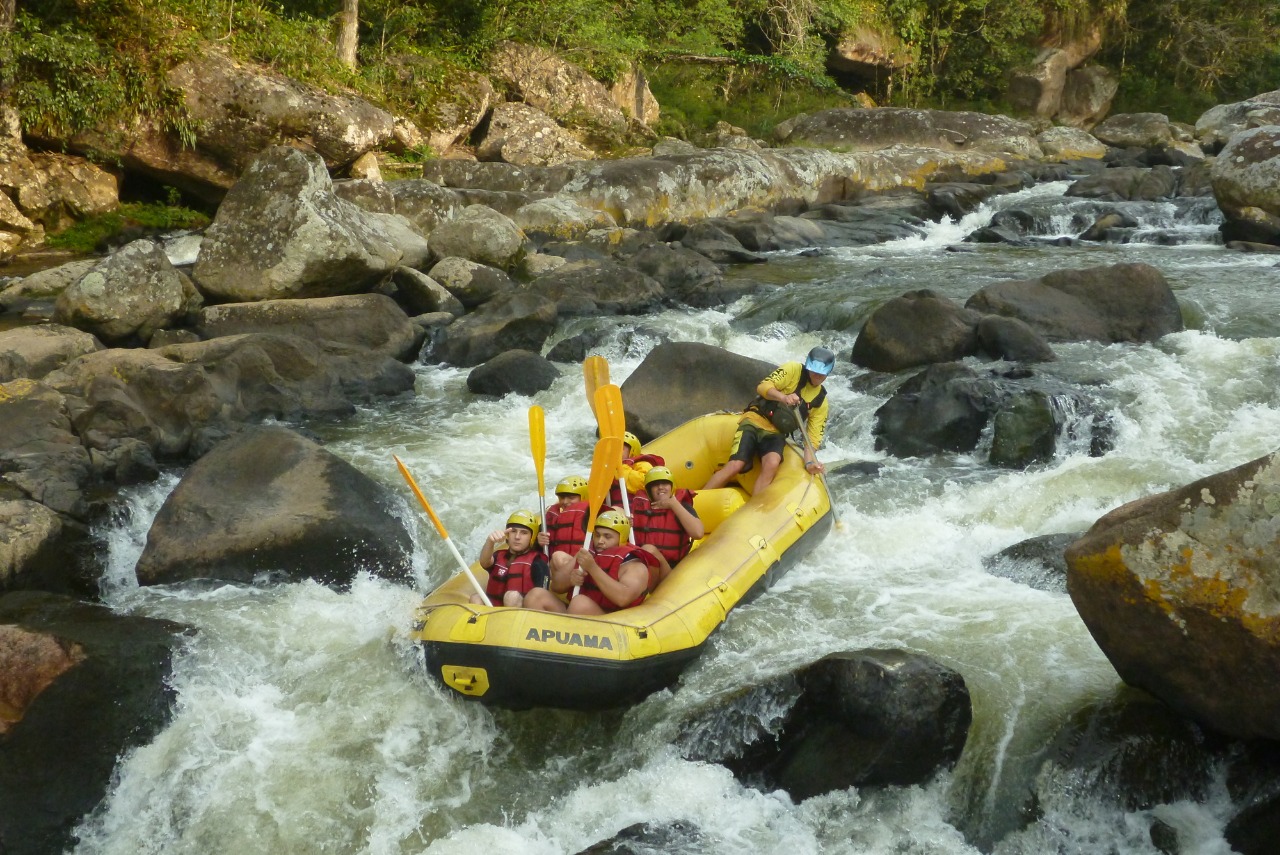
(820, 360)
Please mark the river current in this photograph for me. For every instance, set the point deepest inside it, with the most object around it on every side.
(305, 723)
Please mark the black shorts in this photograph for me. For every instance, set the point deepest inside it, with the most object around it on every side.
(752, 440)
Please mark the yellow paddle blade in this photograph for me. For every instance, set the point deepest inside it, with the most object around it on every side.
(604, 462)
(613, 421)
(413, 485)
(538, 443)
(595, 373)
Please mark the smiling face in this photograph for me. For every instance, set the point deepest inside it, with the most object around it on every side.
(604, 538)
(567, 499)
(518, 539)
(659, 490)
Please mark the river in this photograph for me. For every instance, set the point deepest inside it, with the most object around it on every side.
(305, 723)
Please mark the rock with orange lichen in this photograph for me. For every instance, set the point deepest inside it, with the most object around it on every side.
(1181, 590)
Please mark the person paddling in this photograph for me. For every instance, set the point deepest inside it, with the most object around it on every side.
(770, 418)
(612, 574)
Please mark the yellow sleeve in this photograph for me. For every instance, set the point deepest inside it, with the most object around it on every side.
(784, 378)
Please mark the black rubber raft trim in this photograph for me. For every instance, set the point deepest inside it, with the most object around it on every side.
(523, 679)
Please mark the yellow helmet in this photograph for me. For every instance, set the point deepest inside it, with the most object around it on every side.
(658, 473)
(615, 520)
(631, 441)
(525, 518)
(575, 484)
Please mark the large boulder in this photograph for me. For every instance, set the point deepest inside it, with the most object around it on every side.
(41, 550)
(519, 320)
(917, 328)
(1127, 184)
(1246, 183)
(858, 719)
(55, 189)
(542, 79)
(1087, 96)
(630, 91)
(1067, 143)
(34, 351)
(1119, 303)
(471, 283)
(44, 286)
(1220, 123)
(480, 234)
(270, 502)
(521, 371)
(370, 322)
(944, 408)
(525, 136)
(602, 288)
(1135, 130)
(851, 130)
(459, 99)
(41, 459)
(281, 232)
(133, 292)
(80, 687)
(678, 381)
(1037, 89)
(1179, 591)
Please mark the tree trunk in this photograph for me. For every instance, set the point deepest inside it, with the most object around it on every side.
(348, 32)
(10, 127)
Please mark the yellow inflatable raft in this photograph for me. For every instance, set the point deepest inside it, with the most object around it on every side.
(521, 658)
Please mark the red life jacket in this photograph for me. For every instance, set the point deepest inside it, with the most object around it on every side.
(661, 528)
(567, 527)
(611, 561)
(521, 573)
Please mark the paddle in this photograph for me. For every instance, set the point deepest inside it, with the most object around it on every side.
(466, 570)
(604, 462)
(538, 445)
(813, 452)
(613, 422)
(595, 373)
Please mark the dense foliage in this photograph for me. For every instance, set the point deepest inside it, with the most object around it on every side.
(83, 63)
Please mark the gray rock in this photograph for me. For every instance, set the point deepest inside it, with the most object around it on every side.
(1246, 183)
(519, 320)
(34, 351)
(1122, 302)
(369, 322)
(105, 680)
(1011, 339)
(1127, 183)
(1025, 431)
(421, 294)
(45, 284)
(602, 288)
(1135, 130)
(42, 550)
(133, 292)
(270, 502)
(482, 235)
(521, 371)
(858, 719)
(917, 328)
(281, 232)
(678, 381)
(845, 129)
(472, 283)
(40, 457)
(1179, 591)
(944, 408)
(525, 136)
